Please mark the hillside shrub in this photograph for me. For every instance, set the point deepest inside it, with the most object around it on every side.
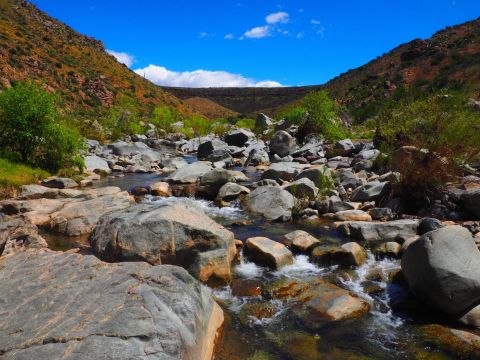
(442, 124)
(30, 126)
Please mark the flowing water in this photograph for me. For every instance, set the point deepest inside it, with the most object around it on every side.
(260, 328)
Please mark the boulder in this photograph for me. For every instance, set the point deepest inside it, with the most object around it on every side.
(372, 191)
(443, 269)
(471, 201)
(349, 254)
(428, 224)
(230, 192)
(267, 252)
(320, 175)
(263, 121)
(271, 202)
(160, 188)
(382, 214)
(282, 144)
(352, 215)
(170, 233)
(191, 173)
(300, 241)
(257, 157)
(94, 164)
(238, 137)
(283, 171)
(59, 183)
(303, 188)
(398, 230)
(341, 148)
(17, 234)
(389, 249)
(96, 310)
(206, 148)
(213, 180)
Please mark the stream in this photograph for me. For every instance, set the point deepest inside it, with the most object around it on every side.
(259, 328)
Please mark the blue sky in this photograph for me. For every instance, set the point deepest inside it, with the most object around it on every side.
(254, 43)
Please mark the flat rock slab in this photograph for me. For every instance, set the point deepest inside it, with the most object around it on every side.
(191, 173)
(398, 230)
(268, 252)
(271, 202)
(69, 306)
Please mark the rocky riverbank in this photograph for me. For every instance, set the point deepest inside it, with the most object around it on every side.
(135, 289)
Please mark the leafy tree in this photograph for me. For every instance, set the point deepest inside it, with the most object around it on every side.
(31, 127)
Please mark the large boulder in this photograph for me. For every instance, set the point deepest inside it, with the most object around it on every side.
(282, 144)
(341, 148)
(268, 252)
(471, 202)
(169, 233)
(263, 121)
(300, 241)
(271, 202)
(59, 183)
(69, 306)
(303, 188)
(94, 164)
(443, 269)
(230, 192)
(257, 157)
(320, 175)
(377, 232)
(349, 254)
(191, 173)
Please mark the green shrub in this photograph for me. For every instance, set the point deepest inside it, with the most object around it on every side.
(323, 116)
(246, 124)
(31, 127)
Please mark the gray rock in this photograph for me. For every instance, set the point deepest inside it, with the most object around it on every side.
(341, 148)
(170, 233)
(443, 269)
(206, 148)
(471, 201)
(382, 214)
(271, 202)
(320, 175)
(95, 310)
(337, 205)
(95, 163)
(268, 252)
(191, 173)
(263, 121)
(283, 171)
(302, 188)
(59, 183)
(230, 192)
(257, 157)
(238, 137)
(398, 230)
(282, 144)
(17, 234)
(212, 181)
(428, 224)
(372, 191)
(349, 254)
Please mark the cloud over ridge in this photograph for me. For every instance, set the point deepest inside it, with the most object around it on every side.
(160, 75)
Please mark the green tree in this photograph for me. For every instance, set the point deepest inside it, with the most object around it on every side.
(30, 126)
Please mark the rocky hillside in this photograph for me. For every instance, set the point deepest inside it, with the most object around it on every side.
(33, 45)
(450, 58)
(209, 108)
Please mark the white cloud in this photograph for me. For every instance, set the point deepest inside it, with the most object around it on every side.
(205, 35)
(278, 17)
(315, 22)
(300, 35)
(229, 37)
(122, 57)
(258, 32)
(200, 78)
